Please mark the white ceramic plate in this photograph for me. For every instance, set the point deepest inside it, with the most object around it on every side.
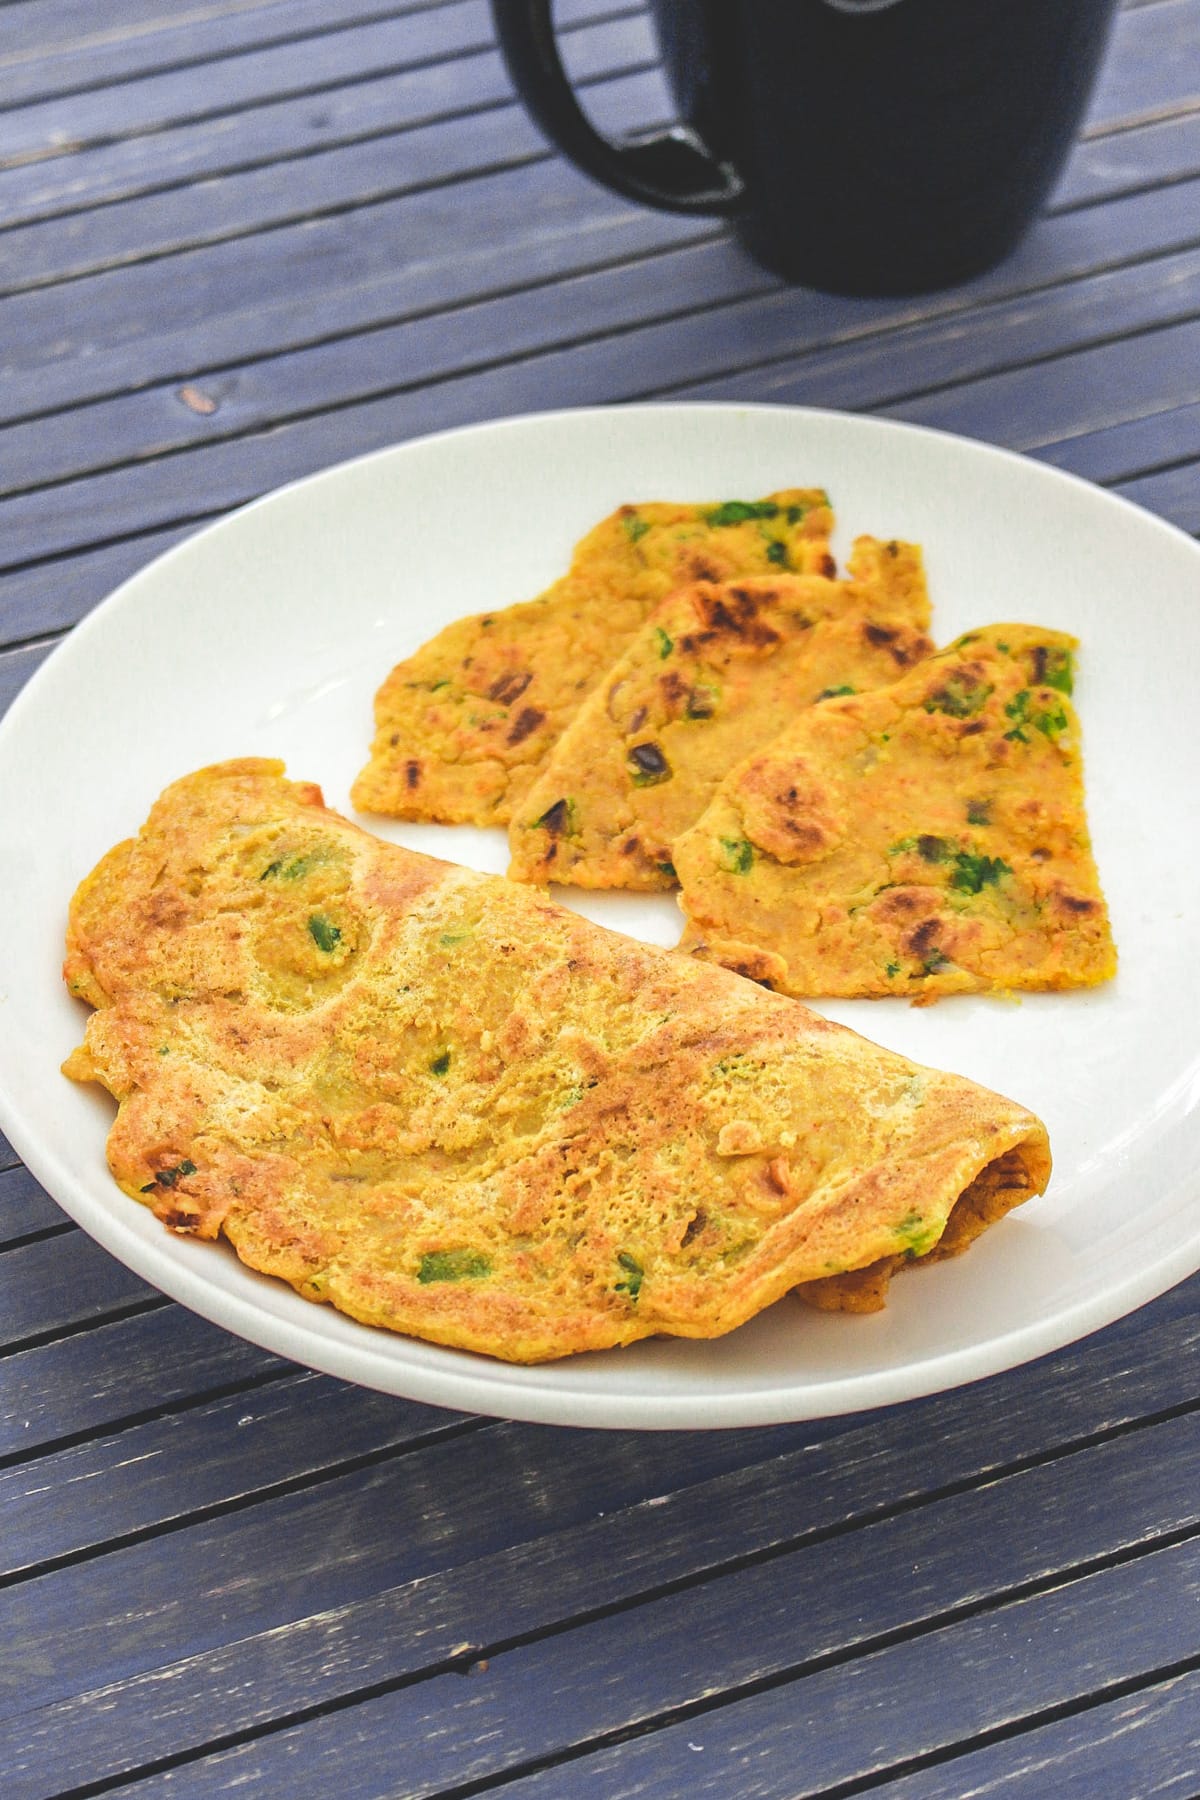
(267, 635)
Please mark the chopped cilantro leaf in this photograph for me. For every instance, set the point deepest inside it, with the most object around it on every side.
(777, 554)
(324, 933)
(169, 1178)
(453, 1265)
(958, 697)
(440, 1064)
(635, 528)
(835, 693)
(665, 644)
(973, 873)
(736, 512)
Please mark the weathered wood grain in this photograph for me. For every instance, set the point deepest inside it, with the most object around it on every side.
(25, 1207)
(910, 1578)
(562, 1563)
(58, 1283)
(1146, 1743)
(120, 1371)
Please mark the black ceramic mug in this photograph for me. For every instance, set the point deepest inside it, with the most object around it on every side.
(865, 146)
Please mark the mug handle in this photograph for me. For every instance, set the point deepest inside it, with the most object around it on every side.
(671, 169)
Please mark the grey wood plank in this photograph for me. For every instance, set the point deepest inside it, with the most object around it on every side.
(16, 666)
(430, 249)
(56, 46)
(345, 178)
(232, 324)
(1136, 78)
(8, 1155)
(114, 1372)
(291, 1555)
(1084, 390)
(60, 1282)
(288, 67)
(942, 1682)
(387, 106)
(551, 1561)
(44, 599)
(25, 1206)
(1174, 494)
(183, 1465)
(1151, 155)
(1146, 1743)
(855, 370)
(996, 1673)
(1134, 448)
(679, 354)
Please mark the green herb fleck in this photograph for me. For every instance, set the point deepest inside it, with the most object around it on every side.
(635, 1272)
(668, 869)
(454, 1265)
(917, 1234)
(979, 812)
(164, 1049)
(736, 512)
(449, 939)
(958, 697)
(169, 1178)
(440, 1064)
(323, 932)
(665, 644)
(795, 513)
(835, 693)
(1050, 721)
(737, 855)
(777, 554)
(293, 868)
(973, 873)
(635, 528)
(892, 969)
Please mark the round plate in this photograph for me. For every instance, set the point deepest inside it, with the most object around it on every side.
(267, 634)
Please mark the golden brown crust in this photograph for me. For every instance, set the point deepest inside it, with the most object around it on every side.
(452, 1108)
(716, 670)
(923, 839)
(462, 726)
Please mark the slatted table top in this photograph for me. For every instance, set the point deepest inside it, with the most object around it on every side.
(239, 241)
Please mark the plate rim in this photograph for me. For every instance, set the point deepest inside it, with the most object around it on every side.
(528, 1392)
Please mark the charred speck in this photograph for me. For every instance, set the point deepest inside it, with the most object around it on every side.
(526, 721)
(649, 765)
(508, 688)
(879, 635)
(412, 773)
(557, 818)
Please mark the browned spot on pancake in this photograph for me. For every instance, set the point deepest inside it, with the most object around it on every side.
(526, 722)
(508, 688)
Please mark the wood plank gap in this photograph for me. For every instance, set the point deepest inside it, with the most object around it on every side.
(970, 306)
(169, 1409)
(626, 261)
(1149, 115)
(279, 42)
(335, 209)
(877, 333)
(37, 1237)
(37, 1340)
(294, 1484)
(301, 152)
(103, 543)
(699, 1708)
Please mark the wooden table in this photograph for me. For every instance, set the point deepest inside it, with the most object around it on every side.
(241, 240)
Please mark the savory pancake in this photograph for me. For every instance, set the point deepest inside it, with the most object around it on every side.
(717, 670)
(447, 1106)
(462, 726)
(924, 839)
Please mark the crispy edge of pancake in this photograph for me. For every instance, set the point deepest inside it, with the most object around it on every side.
(907, 1195)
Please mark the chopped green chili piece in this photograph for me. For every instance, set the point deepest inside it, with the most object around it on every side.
(170, 1178)
(665, 644)
(323, 932)
(635, 1272)
(736, 512)
(454, 1265)
(737, 855)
